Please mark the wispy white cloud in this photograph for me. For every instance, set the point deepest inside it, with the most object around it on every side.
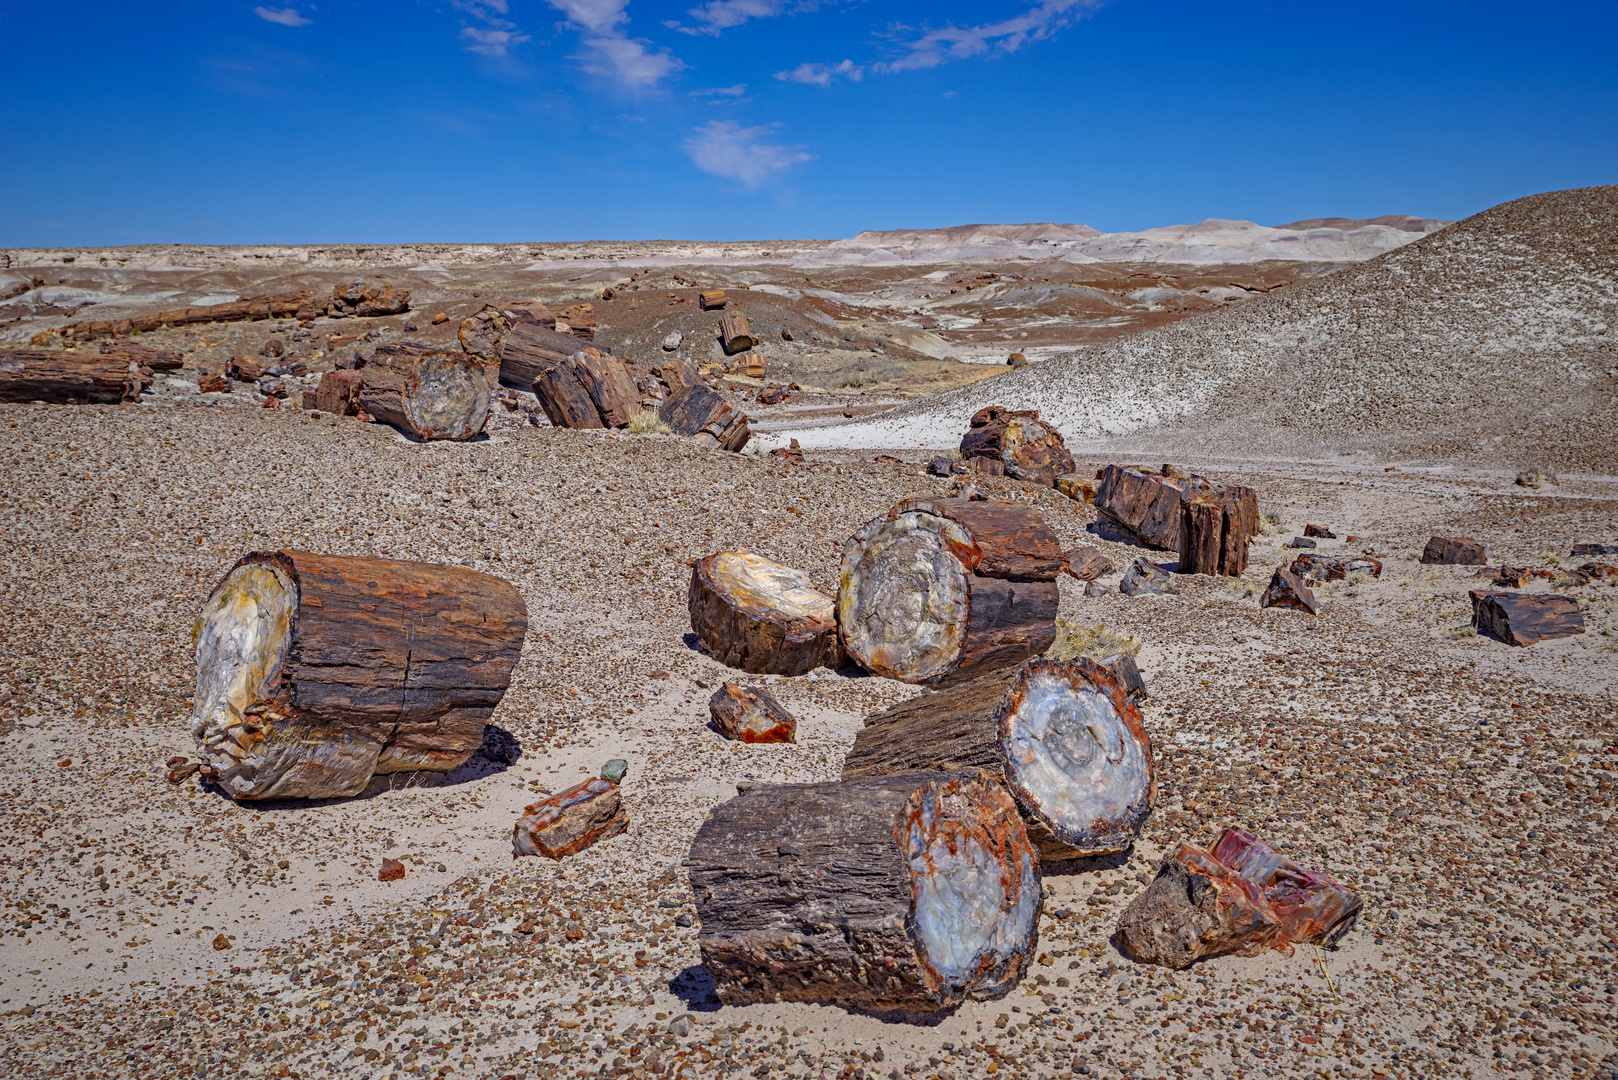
(629, 61)
(284, 16)
(934, 47)
(720, 91)
(596, 16)
(822, 75)
(725, 148)
(492, 42)
(717, 15)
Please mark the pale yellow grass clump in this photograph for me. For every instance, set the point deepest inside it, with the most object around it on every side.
(1074, 640)
(1242, 588)
(647, 422)
(1454, 632)
(1269, 523)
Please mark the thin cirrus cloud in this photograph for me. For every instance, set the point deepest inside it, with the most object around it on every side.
(610, 52)
(497, 35)
(935, 47)
(717, 15)
(726, 149)
(822, 75)
(283, 16)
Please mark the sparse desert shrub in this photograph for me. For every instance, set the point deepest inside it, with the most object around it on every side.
(1456, 632)
(1242, 588)
(1269, 521)
(1550, 558)
(869, 373)
(647, 422)
(1074, 640)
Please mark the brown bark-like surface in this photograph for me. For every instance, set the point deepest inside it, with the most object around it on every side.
(699, 412)
(156, 359)
(712, 300)
(531, 349)
(70, 378)
(316, 671)
(338, 392)
(1064, 737)
(570, 821)
(1146, 504)
(1287, 590)
(565, 400)
(760, 616)
(1525, 618)
(751, 714)
(735, 332)
(282, 306)
(1086, 563)
(428, 393)
(948, 588)
(589, 389)
(365, 299)
(1217, 523)
(676, 375)
(482, 335)
(580, 320)
(1454, 551)
(1028, 448)
(913, 891)
(1242, 897)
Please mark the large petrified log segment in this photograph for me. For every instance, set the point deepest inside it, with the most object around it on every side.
(1287, 590)
(1028, 448)
(751, 715)
(762, 617)
(607, 381)
(948, 588)
(698, 411)
(316, 671)
(1242, 898)
(281, 306)
(1145, 504)
(428, 393)
(69, 378)
(1064, 737)
(1454, 551)
(1217, 523)
(482, 335)
(156, 359)
(531, 349)
(735, 333)
(913, 891)
(565, 400)
(1525, 618)
(567, 823)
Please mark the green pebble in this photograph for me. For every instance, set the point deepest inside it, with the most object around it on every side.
(614, 770)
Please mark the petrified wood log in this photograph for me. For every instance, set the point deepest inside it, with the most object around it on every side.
(366, 299)
(69, 378)
(1064, 737)
(156, 359)
(1075, 487)
(1595, 549)
(245, 369)
(1242, 898)
(1454, 551)
(942, 588)
(565, 400)
(1525, 618)
(913, 891)
(589, 389)
(751, 715)
(568, 822)
(1086, 563)
(1145, 504)
(699, 412)
(282, 306)
(1334, 568)
(1028, 448)
(735, 334)
(760, 616)
(712, 299)
(676, 375)
(530, 350)
(316, 671)
(1217, 522)
(428, 393)
(338, 392)
(1287, 590)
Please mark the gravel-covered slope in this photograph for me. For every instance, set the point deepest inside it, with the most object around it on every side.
(1490, 341)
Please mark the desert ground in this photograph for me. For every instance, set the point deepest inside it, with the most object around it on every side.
(1390, 392)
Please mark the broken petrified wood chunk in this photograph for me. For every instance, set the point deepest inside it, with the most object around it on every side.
(589, 389)
(316, 671)
(1076, 487)
(1334, 568)
(735, 333)
(751, 715)
(1217, 522)
(244, 369)
(69, 378)
(1287, 590)
(915, 891)
(156, 359)
(699, 412)
(392, 870)
(1127, 672)
(1145, 576)
(428, 393)
(1514, 577)
(947, 588)
(712, 299)
(1454, 551)
(1526, 618)
(1064, 737)
(530, 350)
(579, 320)
(1086, 563)
(338, 393)
(1595, 549)
(366, 299)
(1027, 448)
(483, 334)
(1242, 898)
(1145, 504)
(760, 616)
(1320, 531)
(567, 823)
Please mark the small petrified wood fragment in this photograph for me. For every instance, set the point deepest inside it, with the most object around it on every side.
(531, 349)
(1242, 898)
(1086, 563)
(947, 588)
(338, 392)
(1217, 522)
(1513, 577)
(1145, 504)
(913, 891)
(567, 823)
(316, 671)
(1526, 618)
(578, 319)
(69, 378)
(1127, 672)
(751, 715)
(701, 413)
(1454, 551)
(1335, 568)
(1064, 737)
(712, 299)
(1075, 487)
(428, 393)
(1287, 590)
(1026, 447)
(760, 616)
(1320, 531)
(1145, 576)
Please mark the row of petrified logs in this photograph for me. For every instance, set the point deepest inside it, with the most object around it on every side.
(360, 298)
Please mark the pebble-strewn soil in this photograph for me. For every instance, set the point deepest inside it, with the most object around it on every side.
(1465, 786)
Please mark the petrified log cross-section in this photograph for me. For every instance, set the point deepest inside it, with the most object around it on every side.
(946, 588)
(316, 671)
(760, 616)
(428, 393)
(1064, 737)
(912, 891)
(68, 378)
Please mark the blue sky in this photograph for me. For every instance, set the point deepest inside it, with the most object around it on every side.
(532, 120)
